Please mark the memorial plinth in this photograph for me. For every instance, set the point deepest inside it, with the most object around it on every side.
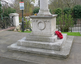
(43, 25)
(43, 40)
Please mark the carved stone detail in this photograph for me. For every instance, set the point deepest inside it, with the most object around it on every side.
(41, 25)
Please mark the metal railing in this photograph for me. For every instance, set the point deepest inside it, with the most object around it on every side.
(77, 26)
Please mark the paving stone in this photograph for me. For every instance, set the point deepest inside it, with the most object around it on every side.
(74, 58)
(12, 61)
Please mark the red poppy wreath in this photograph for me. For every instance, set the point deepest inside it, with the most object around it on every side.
(59, 34)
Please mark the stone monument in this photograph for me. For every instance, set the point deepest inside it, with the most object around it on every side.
(43, 40)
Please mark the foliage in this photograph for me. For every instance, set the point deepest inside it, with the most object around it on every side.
(50, 11)
(27, 24)
(67, 10)
(36, 10)
(62, 4)
(58, 11)
(28, 7)
(65, 22)
(26, 31)
(7, 11)
(0, 9)
(77, 11)
(5, 23)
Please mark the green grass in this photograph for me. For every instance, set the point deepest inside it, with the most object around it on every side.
(68, 33)
(72, 33)
(26, 31)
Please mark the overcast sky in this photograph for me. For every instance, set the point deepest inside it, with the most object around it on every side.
(11, 1)
(36, 2)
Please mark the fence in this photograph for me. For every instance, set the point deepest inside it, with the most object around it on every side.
(77, 26)
(5, 22)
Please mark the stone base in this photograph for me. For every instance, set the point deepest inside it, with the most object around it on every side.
(43, 39)
(49, 43)
(50, 49)
(44, 12)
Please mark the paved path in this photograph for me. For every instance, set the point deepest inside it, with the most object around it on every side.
(10, 28)
(11, 61)
(5, 38)
(9, 37)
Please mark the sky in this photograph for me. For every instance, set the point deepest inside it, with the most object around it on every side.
(36, 2)
(11, 1)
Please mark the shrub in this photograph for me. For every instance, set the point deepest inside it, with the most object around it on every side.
(36, 10)
(67, 10)
(27, 24)
(77, 11)
(50, 10)
(7, 11)
(58, 11)
(0, 9)
(64, 22)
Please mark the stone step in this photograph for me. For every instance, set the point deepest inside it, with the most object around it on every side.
(51, 39)
(42, 45)
(63, 53)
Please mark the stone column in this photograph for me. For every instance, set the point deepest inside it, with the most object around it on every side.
(44, 4)
(44, 24)
(44, 8)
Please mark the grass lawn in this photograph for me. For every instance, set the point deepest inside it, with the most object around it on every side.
(73, 33)
(26, 31)
(68, 33)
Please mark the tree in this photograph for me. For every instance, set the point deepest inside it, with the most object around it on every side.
(65, 21)
(77, 11)
(58, 11)
(4, 6)
(36, 10)
(7, 11)
(62, 4)
(28, 7)
(67, 11)
(0, 9)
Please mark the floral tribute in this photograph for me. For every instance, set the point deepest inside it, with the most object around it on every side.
(59, 34)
